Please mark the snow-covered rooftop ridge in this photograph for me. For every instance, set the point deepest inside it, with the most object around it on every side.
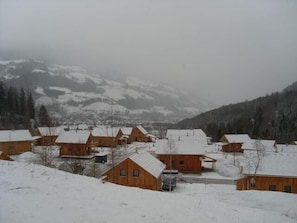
(15, 135)
(105, 131)
(142, 129)
(148, 162)
(237, 138)
(186, 134)
(79, 137)
(182, 147)
(51, 131)
(126, 130)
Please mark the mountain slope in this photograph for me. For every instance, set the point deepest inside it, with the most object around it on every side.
(73, 93)
(269, 117)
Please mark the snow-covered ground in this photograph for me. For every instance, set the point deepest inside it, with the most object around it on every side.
(33, 193)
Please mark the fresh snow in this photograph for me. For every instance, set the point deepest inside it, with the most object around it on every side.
(33, 193)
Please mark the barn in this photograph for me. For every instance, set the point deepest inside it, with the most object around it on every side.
(140, 169)
(13, 142)
(182, 150)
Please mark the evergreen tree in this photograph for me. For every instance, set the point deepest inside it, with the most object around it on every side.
(44, 118)
(3, 101)
(30, 107)
(22, 103)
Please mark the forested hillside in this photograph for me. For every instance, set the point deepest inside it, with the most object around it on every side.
(269, 117)
(17, 110)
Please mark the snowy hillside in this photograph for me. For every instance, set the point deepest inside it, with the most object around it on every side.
(73, 91)
(33, 193)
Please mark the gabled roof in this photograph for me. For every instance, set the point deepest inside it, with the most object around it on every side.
(51, 131)
(181, 147)
(74, 137)
(105, 131)
(149, 163)
(141, 129)
(237, 138)
(126, 130)
(15, 135)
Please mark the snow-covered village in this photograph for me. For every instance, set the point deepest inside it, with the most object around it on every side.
(148, 111)
(112, 174)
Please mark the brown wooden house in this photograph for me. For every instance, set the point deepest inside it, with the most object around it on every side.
(183, 150)
(277, 172)
(138, 170)
(139, 134)
(75, 143)
(232, 143)
(123, 135)
(13, 142)
(104, 136)
(48, 135)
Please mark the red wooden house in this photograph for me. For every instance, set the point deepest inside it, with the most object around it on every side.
(75, 143)
(104, 136)
(183, 150)
(123, 135)
(138, 170)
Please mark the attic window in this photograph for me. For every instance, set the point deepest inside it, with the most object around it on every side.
(135, 173)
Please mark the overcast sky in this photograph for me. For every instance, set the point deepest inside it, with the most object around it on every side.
(226, 51)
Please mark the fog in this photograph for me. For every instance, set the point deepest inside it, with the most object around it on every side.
(225, 51)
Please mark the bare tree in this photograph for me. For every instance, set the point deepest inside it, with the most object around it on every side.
(255, 158)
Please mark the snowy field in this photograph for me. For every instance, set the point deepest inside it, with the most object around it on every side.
(33, 193)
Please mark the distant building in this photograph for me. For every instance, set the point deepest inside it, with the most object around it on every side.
(48, 135)
(233, 142)
(139, 134)
(105, 136)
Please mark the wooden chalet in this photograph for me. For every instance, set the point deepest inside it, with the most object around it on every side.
(104, 136)
(277, 172)
(48, 135)
(138, 170)
(232, 143)
(183, 150)
(75, 144)
(139, 134)
(123, 135)
(14, 142)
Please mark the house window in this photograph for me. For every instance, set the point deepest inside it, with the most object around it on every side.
(287, 189)
(122, 172)
(181, 162)
(135, 173)
(272, 187)
(172, 164)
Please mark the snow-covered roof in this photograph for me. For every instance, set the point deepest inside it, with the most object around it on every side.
(185, 133)
(105, 131)
(276, 164)
(142, 129)
(182, 147)
(15, 135)
(268, 144)
(237, 138)
(79, 137)
(149, 163)
(51, 131)
(126, 130)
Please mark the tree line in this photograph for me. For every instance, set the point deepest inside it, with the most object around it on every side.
(17, 110)
(271, 117)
